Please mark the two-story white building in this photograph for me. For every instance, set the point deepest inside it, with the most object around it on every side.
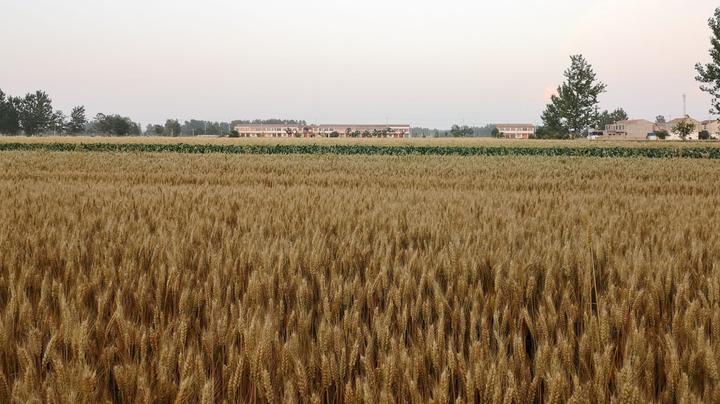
(516, 131)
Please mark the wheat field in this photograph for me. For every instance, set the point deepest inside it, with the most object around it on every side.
(161, 278)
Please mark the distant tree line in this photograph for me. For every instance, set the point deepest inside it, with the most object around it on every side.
(115, 125)
(33, 115)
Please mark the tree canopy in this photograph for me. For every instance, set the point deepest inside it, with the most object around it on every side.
(461, 131)
(114, 125)
(77, 120)
(683, 128)
(609, 118)
(709, 74)
(9, 116)
(573, 108)
(36, 113)
(172, 127)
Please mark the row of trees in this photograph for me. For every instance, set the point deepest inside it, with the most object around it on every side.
(172, 127)
(116, 125)
(33, 114)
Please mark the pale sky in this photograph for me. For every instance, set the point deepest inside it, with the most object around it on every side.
(426, 63)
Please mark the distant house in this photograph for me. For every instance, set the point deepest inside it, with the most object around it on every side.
(267, 130)
(516, 130)
(712, 126)
(346, 130)
(674, 136)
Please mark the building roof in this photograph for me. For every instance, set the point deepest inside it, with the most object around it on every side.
(687, 118)
(631, 121)
(506, 125)
(369, 126)
(323, 126)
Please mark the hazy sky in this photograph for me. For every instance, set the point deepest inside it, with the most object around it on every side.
(427, 63)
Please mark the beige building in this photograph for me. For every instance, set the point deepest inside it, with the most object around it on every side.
(631, 129)
(712, 126)
(674, 136)
(337, 130)
(269, 130)
(516, 131)
(345, 130)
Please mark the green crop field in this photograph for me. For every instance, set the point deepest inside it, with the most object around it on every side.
(440, 147)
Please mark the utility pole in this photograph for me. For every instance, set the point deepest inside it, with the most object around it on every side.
(685, 106)
(597, 119)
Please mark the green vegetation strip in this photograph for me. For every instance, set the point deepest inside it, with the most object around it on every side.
(400, 150)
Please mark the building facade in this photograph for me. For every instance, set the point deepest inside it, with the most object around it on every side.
(674, 136)
(516, 131)
(336, 130)
(631, 129)
(345, 130)
(712, 126)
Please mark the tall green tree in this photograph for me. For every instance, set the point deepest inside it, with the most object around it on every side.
(573, 109)
(36, 113)
(552, 124)
(461, 131)
(77, 120)
(58, 123)
(172, 127)
(709, 74)
(9, 115)
(213, 128)
(683, 129)
(114, 125)
(135, 128)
